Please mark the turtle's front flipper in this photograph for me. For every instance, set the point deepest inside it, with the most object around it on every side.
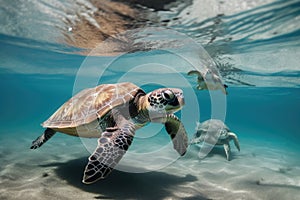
(235, 139)
(194, 72)
(201, 83)
(227, 150)
(48, 133)
(112, 145)
(177, 133)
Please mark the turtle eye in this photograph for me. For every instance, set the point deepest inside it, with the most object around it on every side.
(222, 132)
(168, 95)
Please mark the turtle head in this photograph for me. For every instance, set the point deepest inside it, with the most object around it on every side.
(165, 100)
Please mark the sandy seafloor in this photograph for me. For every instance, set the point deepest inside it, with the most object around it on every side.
(262, 170)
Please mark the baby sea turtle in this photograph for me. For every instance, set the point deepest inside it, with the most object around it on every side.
(214, 131)
(209, 80)
(112, 113)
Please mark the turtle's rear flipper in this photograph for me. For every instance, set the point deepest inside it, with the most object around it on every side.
(48, 133)
(111, 147)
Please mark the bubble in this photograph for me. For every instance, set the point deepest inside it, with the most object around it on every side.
(151, 58)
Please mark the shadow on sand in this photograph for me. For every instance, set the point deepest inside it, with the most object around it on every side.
(122, 185)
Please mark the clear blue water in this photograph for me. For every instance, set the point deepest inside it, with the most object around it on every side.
(257, 53)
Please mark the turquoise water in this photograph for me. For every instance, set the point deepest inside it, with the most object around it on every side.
(257, 54)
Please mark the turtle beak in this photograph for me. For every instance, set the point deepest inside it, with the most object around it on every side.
(180, 99)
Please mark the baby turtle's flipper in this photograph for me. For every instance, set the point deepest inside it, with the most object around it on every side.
(112, 146)
(227, 151)
(194, 72)
(200, 80)
(235, 139)
(48, 133)
(225, 87)
(177, 132)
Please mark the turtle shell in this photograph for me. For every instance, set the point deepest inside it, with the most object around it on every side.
(211, 131)
(91, 104)
(214, 125)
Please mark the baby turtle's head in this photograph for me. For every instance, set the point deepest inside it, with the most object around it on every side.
(167, 100)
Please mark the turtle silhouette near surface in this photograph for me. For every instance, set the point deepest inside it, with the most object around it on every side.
(209, 80)
(112, 113)
(214, 131)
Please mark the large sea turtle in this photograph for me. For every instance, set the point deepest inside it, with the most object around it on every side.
(209, 80)
(112, 113)
(215, 132)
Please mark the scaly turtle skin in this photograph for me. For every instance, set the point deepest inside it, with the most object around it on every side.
(209, 80)
(112, 113)
(214, 131)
